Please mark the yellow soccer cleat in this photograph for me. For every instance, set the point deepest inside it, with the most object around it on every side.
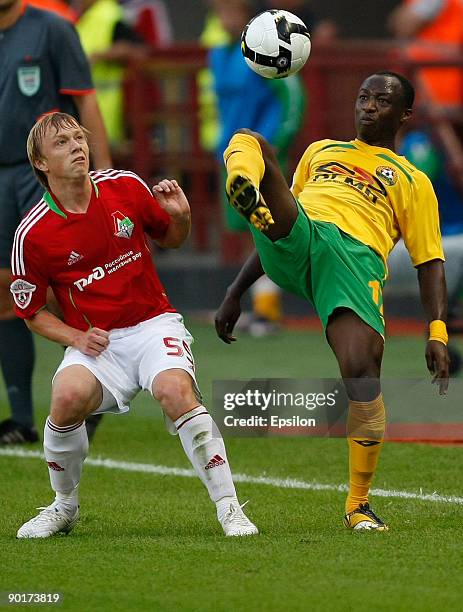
(362, 518)
(245, 198)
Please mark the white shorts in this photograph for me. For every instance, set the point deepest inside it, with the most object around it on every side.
(136, 355)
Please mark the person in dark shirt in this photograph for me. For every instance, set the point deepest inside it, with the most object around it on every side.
(42, 69)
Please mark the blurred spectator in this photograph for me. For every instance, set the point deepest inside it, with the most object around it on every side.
(420, 150)
(109, 44)
(434, 29)
(273, 107)
(60, 7)
(322, 31)
(213, 35)
(150, 20)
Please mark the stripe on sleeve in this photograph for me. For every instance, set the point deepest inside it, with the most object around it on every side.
(17, 256)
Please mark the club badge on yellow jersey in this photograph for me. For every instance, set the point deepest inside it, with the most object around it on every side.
(387, 174)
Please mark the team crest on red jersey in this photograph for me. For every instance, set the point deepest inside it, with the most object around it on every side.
(123, 225)
(22, 292)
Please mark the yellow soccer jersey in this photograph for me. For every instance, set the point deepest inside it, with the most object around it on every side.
(372, 194)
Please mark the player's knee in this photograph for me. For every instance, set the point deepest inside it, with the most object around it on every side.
(360, 369)
(69, 405)
(361, 379)
(174, 392)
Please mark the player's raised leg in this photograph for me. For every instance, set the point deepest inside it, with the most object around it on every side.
(256, 186)
(76, 393)
(204, 447)
(359, 350)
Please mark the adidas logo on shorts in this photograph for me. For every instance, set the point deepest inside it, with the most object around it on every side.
(214, 462)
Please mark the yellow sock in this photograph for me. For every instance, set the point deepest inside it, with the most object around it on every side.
(366, 423)
(266, 299)
(243, 156)
(267, 305)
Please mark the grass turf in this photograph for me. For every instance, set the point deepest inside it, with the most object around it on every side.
(152, 542)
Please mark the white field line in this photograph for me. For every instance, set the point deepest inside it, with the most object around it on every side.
(280, 483)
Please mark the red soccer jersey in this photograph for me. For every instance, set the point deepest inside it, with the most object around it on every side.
(98, 262)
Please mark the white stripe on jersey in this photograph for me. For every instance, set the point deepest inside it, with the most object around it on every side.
(23, 221)
(118, 173)
(17, 254)
(95, 173)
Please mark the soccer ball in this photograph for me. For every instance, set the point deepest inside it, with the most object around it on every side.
(275, 44)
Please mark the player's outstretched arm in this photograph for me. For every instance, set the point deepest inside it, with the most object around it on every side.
(91, 342)
(172, 199)
(230, 309)
(433, 290)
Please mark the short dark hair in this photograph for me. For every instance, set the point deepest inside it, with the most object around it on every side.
(408, 91)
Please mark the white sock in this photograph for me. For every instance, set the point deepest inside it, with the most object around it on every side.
(65, 451)
(204, 447)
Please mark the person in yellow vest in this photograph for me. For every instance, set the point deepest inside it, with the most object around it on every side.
(434, 29)
(212, 35)
(110, 44)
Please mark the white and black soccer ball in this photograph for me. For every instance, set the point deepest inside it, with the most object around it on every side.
(275, 44)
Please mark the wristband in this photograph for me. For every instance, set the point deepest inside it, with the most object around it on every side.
(438, 331)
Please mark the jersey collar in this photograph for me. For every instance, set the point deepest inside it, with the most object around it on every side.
(53, 206)
(360, 144)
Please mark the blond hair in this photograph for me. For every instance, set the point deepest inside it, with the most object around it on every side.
(37, 134)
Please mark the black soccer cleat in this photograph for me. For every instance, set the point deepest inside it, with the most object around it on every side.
(12, 432)
(245, 198)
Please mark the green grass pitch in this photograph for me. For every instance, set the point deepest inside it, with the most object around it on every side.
(151, 542)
